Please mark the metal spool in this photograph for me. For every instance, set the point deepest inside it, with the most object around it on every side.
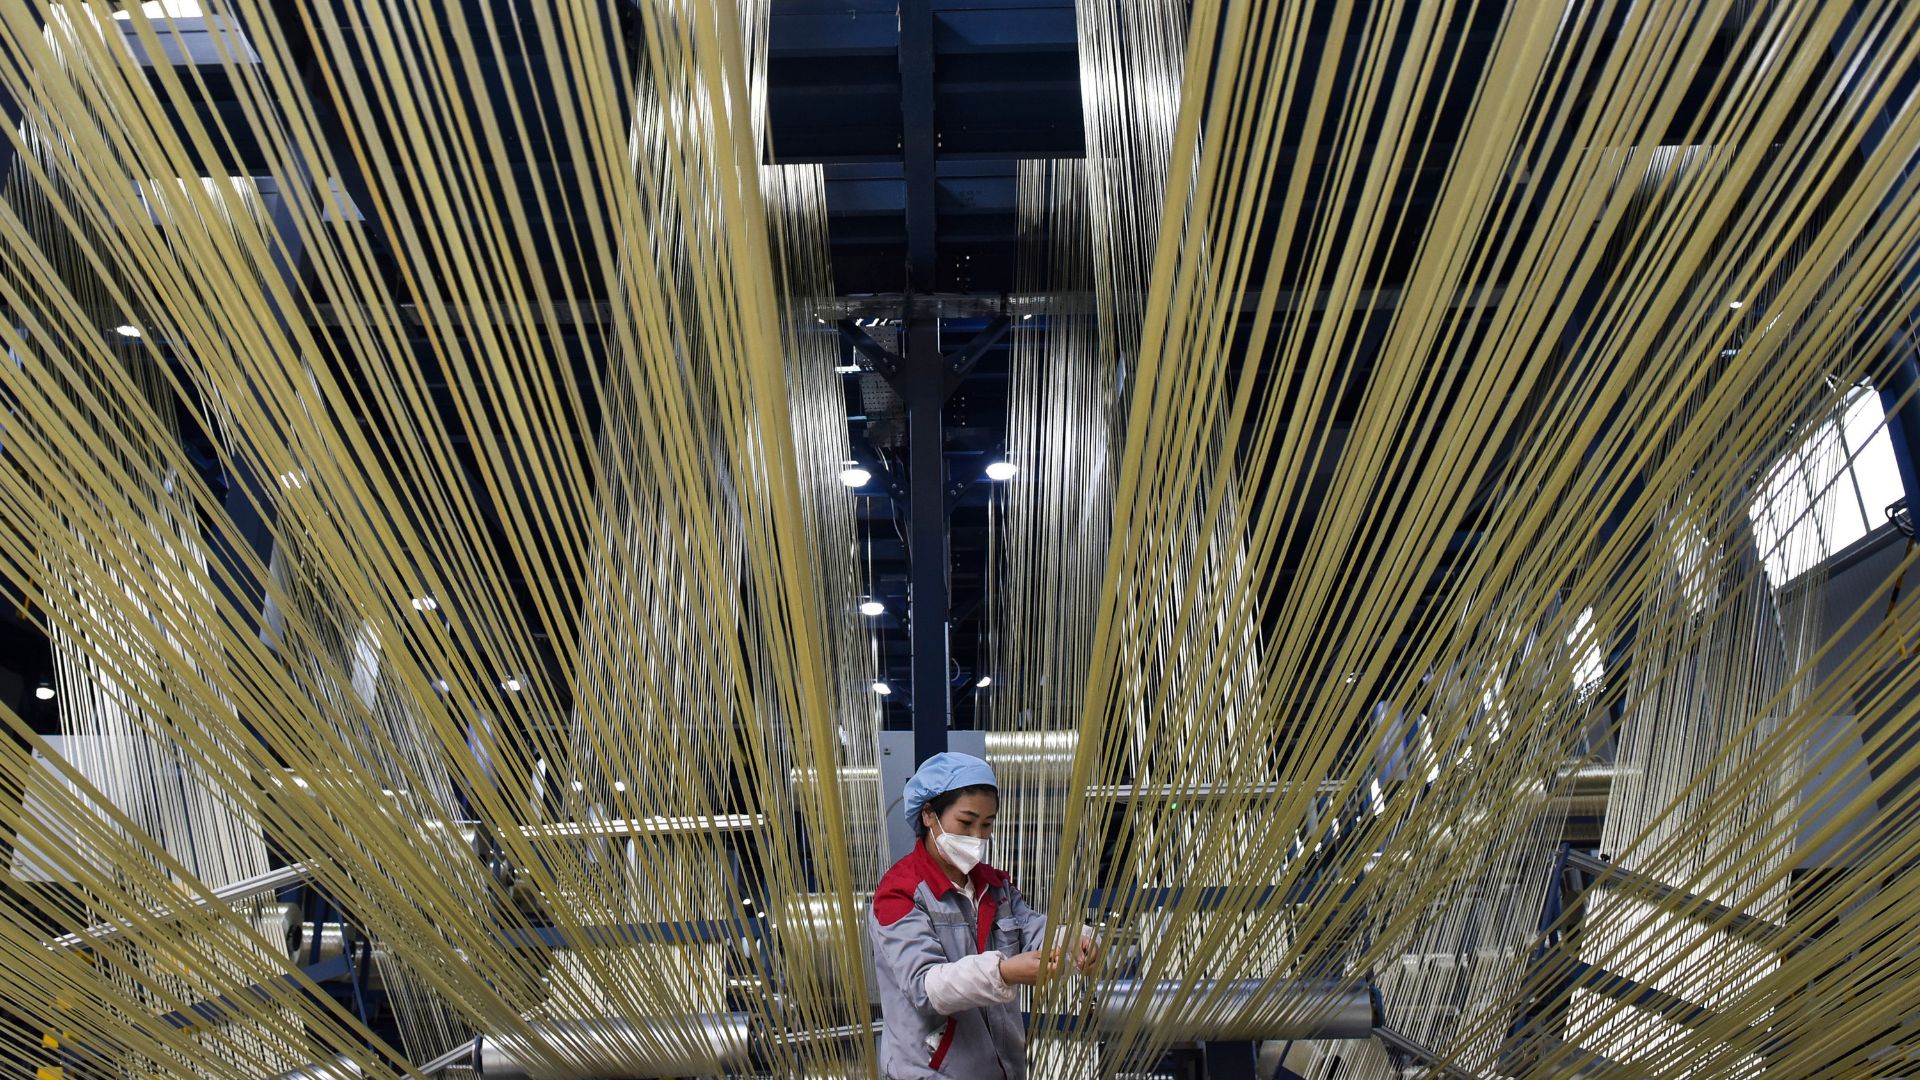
(859, 787)
(811, 928)
(1239, 1009)
(620, 1049)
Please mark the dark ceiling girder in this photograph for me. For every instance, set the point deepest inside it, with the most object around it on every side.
(919, 140)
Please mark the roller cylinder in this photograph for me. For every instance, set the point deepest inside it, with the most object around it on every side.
(813, 930)
(1046, 750)
(1239, 1009)
(621, 1049)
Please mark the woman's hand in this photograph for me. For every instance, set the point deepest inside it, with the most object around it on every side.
(1088, 959)
(1029, 968)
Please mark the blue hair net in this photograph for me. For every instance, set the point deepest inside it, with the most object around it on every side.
(942, 773)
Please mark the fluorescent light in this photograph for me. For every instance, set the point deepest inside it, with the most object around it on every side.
(511, 684)
(873, 607)
(1735, 304)
(1027, 316)
(882, 689)
(166, 9)
(425, 603)
(578, 786)
(43, 692)
(619, 785)
(855, 477)
(293, 479)
(1002, 470)
(847, 369)
(127, 330)
(985, 681)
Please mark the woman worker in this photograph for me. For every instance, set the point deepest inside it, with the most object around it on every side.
(952, 937)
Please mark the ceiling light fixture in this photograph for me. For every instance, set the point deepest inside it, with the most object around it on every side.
(882, 689)
(511, 684)
(127, 330)
(1002, 470)
(855, 477)
(873, 607)
(985, 681)
(44, 692)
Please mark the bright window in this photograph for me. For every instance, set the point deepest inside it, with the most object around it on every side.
(1589, 667)
(1829, 492)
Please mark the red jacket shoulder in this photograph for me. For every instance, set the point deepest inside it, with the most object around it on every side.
(894, 896)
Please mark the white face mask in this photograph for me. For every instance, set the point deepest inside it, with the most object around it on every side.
(964, 852)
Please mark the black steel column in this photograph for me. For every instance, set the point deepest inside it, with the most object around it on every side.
(925, 394)
(922, 387)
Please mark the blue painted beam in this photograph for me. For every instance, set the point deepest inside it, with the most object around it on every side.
(851, 30)
(222, 1010)
(1008, 29)
(1599, 980)
(1679, 901)
(845, 32)
(1900, 396)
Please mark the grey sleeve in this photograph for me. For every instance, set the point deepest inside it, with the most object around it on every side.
(1032, 924)
(909, 949)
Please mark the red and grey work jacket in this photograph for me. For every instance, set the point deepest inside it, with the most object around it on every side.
(921, 922)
